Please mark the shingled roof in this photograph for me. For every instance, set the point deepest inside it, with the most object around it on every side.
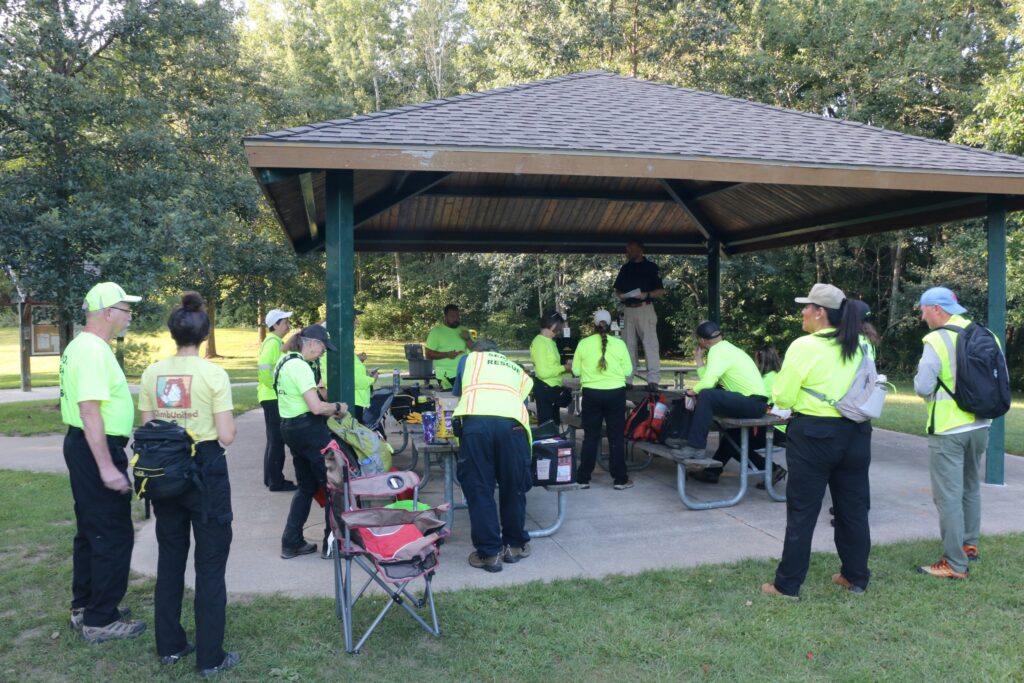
(579, 162)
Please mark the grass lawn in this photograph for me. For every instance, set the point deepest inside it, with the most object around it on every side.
(706, 623)
(29, 418)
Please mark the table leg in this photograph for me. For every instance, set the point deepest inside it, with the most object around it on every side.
(449, 487)
(769, 453)
(724, 502)
(550, 530)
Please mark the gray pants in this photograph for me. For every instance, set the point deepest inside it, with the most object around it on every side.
(642, 326)
(956, 489)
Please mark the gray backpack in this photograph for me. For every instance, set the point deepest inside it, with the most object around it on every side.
(865, 398)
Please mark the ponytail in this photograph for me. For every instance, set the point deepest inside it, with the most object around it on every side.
(850, 324)
(602, 329)
(294, 344)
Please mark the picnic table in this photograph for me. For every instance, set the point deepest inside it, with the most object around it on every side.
(767, 422)
(447, 455)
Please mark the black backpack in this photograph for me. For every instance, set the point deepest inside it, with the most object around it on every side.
(164, 462)
(980, 374)
(677, 424)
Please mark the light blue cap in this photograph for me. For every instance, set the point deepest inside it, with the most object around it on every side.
(943, 298)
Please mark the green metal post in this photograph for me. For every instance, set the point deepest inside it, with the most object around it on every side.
(996, 228)
(339, 242)
(714, 281)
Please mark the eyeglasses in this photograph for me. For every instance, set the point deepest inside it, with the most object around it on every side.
(124, 310)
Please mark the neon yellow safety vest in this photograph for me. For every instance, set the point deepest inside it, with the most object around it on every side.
(943, 412)
(494, 385)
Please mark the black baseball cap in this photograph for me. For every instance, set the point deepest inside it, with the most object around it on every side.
(320, 334)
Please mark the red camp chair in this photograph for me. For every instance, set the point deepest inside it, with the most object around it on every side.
(394, 546)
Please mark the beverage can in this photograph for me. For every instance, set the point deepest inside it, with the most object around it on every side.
(429, 427)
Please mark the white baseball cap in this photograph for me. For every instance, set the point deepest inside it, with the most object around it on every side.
(276, 315)
(603, 316)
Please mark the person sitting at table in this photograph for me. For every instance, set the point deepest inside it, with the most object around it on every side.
(742, 394)
(446, 344)
(494, 449)
(364, 378)
(767, 360)
(548, 368)
(603, 366)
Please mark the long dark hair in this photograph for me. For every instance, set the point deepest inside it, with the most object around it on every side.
(850, 321)
(603, 329)
(550, 319)
(767, 359)
(294, 344)
(189, 323)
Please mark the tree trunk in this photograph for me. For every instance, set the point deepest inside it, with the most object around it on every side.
(211, 341)
(894, 291)
(25, 344)
(398, 276)
(260, 313)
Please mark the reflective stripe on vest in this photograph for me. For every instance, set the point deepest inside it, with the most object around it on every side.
(485, 393)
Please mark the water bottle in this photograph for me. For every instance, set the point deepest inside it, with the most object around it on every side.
(396, 379)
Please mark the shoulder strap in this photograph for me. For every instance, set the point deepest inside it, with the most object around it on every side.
(832, 401)
(280, 364)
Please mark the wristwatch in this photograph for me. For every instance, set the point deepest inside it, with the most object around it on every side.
(337, 407)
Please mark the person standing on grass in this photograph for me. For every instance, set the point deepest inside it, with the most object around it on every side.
(548, 368)
(603, 366)
(97, 408)
(202, 404)
(825, 449)
(270, 351)
(956, 439)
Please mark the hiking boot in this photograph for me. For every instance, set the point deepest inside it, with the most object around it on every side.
(304, 549)
(230, 660)
(623, 485)
(283, 486)
(78, 617)
(513, 554)
(706, 476)
(770, 589)
(117, 630)
(943, 570)
(489, 563)
(167, 660)
(972, 553)
(840, 580)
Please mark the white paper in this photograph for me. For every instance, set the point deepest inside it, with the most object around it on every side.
(543, 469)
(784, 413)
(632, 294)
(564, 473)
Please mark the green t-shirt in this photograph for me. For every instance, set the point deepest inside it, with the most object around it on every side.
(294, 378)
(547, 363)
(585, 361)
(187, 390)
(89, 372)
(730, 366)
(443, 339)
(270, 352)
(364, 384)
(815, 362)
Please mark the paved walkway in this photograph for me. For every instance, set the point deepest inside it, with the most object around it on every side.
(651, 529)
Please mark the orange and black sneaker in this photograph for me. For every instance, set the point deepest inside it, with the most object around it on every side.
(943, 570)
(972, 553)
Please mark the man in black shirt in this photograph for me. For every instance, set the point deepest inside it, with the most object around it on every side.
(636, 286)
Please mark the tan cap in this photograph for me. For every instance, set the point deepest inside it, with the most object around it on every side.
(826, 296)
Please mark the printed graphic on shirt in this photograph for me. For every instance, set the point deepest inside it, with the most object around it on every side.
(174, 391)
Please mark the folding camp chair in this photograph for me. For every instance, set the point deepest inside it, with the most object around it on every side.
(394, 546)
